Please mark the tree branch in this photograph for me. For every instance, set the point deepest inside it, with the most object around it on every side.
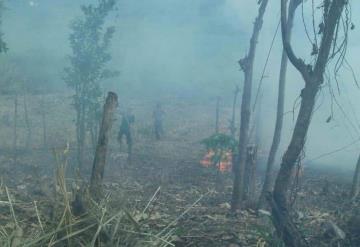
(297, 62)
(333, 16)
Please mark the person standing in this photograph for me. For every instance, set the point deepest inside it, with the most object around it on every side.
(127, 120)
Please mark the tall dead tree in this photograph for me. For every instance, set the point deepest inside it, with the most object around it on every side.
(247, 66)
(101, 148)
(250, 170)
(233, 115)
(355, 190)
(267, 186)
(252, 156)
(313, 76)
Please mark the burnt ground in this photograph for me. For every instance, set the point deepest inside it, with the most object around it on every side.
(166, 194)
(192, 201)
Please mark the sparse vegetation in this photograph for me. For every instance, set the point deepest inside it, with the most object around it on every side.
(90, 45)
(188, 178)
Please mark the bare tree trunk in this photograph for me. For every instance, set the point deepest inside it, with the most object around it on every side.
(252, 158)
(27, 123)
(257, 124)
(100, 154)
(313, 77)
(288, 231)
(246, 65)
(233, 116)
(15, 128)
(217, 115)
(250, 180)
(268, 182)
(356, 181)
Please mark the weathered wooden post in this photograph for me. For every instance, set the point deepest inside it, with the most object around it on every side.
(101, 148)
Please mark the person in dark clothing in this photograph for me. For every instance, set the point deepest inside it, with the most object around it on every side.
(125, 130)
(158, 121)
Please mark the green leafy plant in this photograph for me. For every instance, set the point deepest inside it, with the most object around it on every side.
(90, 44)
(220, 144)
(220, 141)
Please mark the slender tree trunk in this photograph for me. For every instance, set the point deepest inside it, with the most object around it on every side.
(268, 182)
(356, 181)
(282, 220)
(101, 149)
(246, 65)
(296, 145)
(27, 123)
(313, 77)
(250, 180)
(15, 128)
(257, 124)
(217, 113)
(233, 116)
(252, 158)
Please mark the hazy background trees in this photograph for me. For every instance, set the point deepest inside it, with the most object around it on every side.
(204, 42)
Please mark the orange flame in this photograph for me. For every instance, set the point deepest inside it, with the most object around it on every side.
(224, 165)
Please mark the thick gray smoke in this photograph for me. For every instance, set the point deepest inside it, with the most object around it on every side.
(191, 47)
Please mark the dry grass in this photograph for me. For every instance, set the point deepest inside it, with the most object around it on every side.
(100, 224)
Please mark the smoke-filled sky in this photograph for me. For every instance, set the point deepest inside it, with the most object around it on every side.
(192, 47)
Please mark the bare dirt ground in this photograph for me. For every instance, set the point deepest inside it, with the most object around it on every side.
(165, 196)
